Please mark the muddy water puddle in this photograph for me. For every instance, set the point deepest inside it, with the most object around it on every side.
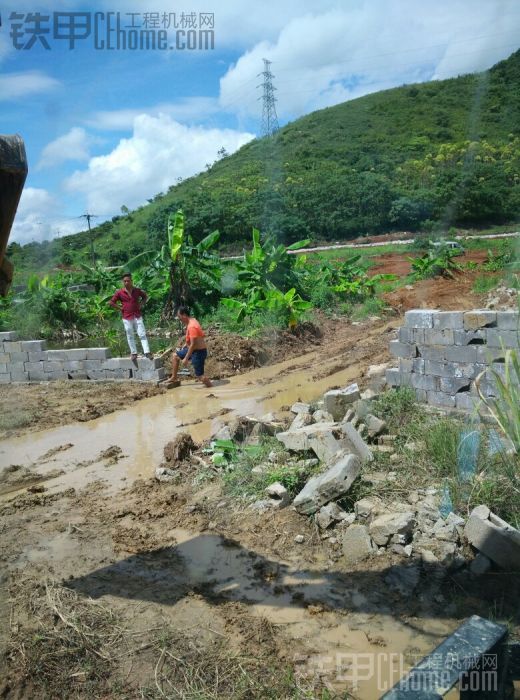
(143, 428)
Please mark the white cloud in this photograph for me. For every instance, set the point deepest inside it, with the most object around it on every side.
(35, 218)
(159, 151)
(333, 54)
(194, 109)
(16, 85)
(73, 145)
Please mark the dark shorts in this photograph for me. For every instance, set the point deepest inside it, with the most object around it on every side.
(197, 359)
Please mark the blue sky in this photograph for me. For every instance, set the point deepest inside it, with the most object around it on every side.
(110, 128)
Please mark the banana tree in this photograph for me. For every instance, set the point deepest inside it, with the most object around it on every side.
(193, 269)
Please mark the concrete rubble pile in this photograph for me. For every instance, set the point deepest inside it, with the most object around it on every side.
(441, 353)
(31, 361)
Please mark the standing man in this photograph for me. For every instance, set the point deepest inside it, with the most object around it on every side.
(130, 308)
(194, 350)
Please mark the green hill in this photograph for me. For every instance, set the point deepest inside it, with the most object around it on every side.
(440, 153)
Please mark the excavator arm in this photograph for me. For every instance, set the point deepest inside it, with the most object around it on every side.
(13, 171)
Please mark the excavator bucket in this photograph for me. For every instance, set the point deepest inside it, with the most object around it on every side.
(13, 171)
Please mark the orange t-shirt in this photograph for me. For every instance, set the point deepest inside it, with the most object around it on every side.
(193, 330)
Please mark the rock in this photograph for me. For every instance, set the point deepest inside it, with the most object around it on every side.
(298, 440)
(329, 514)
(330, 485)
(301, 420)
(325, 446)
(260, 469)
(276, 457)
(307, 463)
(262, 505)
(179, 449)
(354, 442)
(338, 400)
(387, 439)
(375, 425)
(356, 544)
(222, 433)
(395, 458)
(366, 507)
(408, 549)
(428, 557)
(299, 539)
(299, 407)
(384, 526)
(480, 565)
(377, 370)
(481, 512)
(495, 538)
(369, 394)
(403, 579)
(320, 416)
(278, 493)
(166, 475)
(241, 428)
(413, 497)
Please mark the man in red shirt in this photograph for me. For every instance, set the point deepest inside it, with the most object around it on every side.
(194, 350)
(130, 307)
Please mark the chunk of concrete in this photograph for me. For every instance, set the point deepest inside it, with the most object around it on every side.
(357, 544)
(301, 420)
(299, 407)
(165, 474)
(331, 513)
(496, 539)
(279, 494)
(332, 484)
(353, 441)
(325, 446)
(375, 425)
(298, 440)
(385, 526)
(321, 416)
(337, 401)
(366, 507)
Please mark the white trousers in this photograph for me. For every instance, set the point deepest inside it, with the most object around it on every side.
(136, 324)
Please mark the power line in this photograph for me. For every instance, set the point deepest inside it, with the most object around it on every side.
(269, 118)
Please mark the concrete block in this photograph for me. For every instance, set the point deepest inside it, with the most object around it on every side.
(439, 337)
(18, 356)
(76, 374)
(3, 368)
(120, 363)
(509, 339)
(356, 544)
(418, 365)
(12, 346)
(337, 401)
(75, 354)
(385, 526)
(300, 407)
(419, 318)
(448, 320)
(147, 375)
(38, 376)
(507, 320)
(38, 356)
(56, 376)
(436, 398)
(330, 485)
(439, 369)
(8, 335)
(418, 335)
(53, 355)
(405, 364)
(470, 337)
(98, 353)
(393, 377)
(495, 538)
(461, 353)
(398, 349)
(19, 376)
(146, 364)
(353, 442)
(486, 355)
(73, 365)
(93, 364)
(452, 385)
(33, 345)
(34, 366)
(424, 381)
(118, 373)
(54, 366)
(431, 352)
(97, 374)
(481, 318)
(470, 370)
(16, 366)
(406, 335)
(466, 402)
(301, 420)
(5, 379)
(5, 357)
(298, 440)
(421, 395)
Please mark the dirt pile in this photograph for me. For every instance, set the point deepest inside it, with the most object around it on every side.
(179, 449)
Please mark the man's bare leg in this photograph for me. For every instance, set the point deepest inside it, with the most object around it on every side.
(207, 382)
(175, 368)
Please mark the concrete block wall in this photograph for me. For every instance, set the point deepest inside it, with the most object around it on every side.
(30, 361)
(440, 353)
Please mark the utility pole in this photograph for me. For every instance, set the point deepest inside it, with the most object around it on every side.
(92, 253)
(269, 118)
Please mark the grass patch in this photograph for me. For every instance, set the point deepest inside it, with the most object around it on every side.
(485, 283)
(12, 418)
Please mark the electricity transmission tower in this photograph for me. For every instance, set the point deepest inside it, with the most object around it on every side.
(269, 118)
(88, 217)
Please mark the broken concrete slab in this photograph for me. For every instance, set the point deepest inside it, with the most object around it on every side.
(321, 416)
(353, 441)
(374, 424)
(300, 407)
(357, 544)
(337, 401)
(325, 446)
(279, 494)
(332, 484)
(301, 420)
(495, 538)
(329, 514)
(298, 440)
(385, 526)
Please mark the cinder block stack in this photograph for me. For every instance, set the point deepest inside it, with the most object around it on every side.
(30, 361)
(440, 353)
